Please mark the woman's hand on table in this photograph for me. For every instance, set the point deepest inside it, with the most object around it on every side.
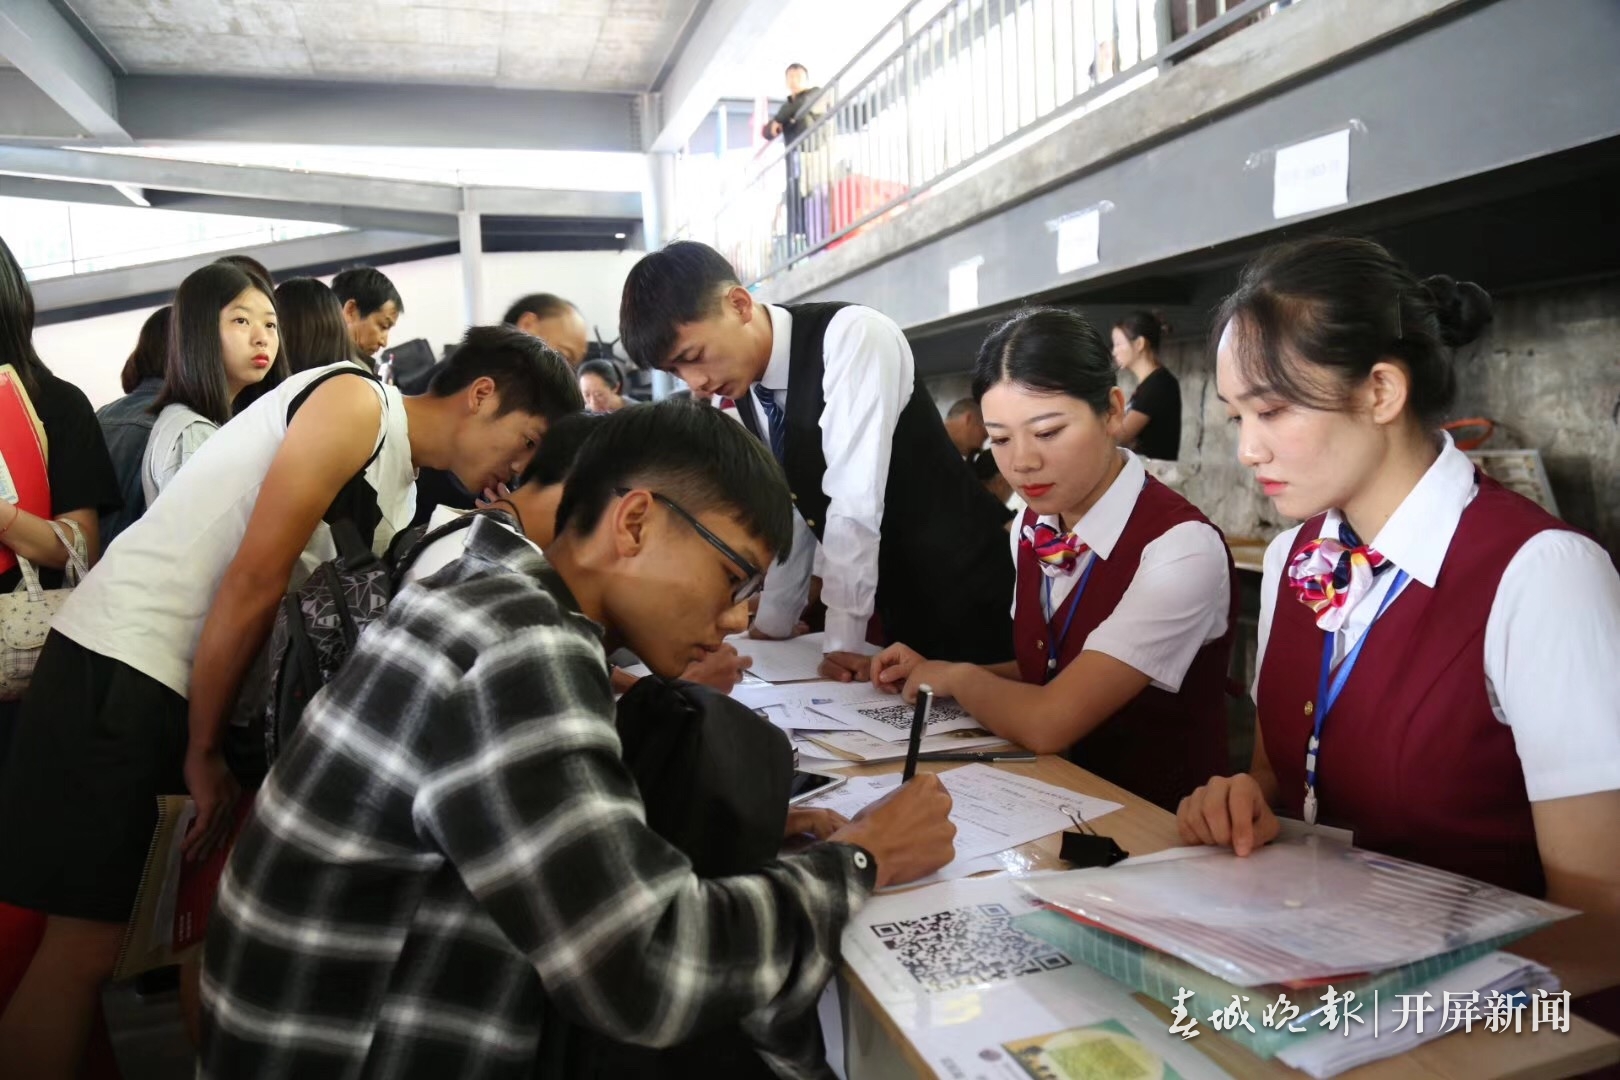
(892, 666)
(1229, 811)
(900, 669)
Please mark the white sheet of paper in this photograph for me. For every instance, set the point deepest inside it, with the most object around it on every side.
(1078, 239)
(889, 717)
(863, 747)
(963, 285)
(788, 660)
(1312, 175)
(974, 994)
(791, 706)
(992, 810)
(803, 694)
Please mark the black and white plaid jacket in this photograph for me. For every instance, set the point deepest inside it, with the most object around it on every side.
(450, 846)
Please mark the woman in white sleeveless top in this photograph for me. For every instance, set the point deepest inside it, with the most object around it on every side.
(144, 661)
(223, 338)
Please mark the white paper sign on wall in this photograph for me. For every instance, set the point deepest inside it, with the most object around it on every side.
(1312, 175)
(964, 285)
(1078, 239)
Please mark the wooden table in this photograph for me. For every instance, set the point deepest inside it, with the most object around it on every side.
(1248, 554)
(878, 1049)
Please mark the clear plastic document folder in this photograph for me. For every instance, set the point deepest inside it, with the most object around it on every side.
(1294, 911)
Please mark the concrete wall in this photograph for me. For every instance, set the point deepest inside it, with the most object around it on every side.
(1547, 371)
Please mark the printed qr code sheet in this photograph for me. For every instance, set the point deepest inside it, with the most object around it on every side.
(889, 719)
(968, 946)
(899, 716)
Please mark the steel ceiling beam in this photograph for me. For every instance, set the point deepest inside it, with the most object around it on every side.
(41, 44)
(266, 185)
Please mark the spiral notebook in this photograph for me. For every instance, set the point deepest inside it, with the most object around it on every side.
(175, 897)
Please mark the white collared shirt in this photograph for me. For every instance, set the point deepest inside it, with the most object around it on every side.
(1178, 599)
(867, 380)
(1552, 641)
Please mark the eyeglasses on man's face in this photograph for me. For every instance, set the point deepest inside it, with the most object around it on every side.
(753, 577)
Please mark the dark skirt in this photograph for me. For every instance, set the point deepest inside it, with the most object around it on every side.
(96, 743)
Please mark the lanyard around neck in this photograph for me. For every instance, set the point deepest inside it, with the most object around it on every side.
(1054, 642)
(1331, 684)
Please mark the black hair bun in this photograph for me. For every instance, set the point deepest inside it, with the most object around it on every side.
(1463, 308)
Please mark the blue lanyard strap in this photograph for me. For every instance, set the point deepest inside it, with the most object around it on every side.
(1331, 684)
(1055, 642)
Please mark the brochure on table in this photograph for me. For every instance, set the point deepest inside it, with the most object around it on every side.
(980, 999)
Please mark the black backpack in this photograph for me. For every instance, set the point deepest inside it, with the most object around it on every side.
(714, 778)
(318, 623)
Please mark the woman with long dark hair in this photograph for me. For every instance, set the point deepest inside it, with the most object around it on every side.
(313, 333)
(223, 338)
(1125, 600)
(79, 470)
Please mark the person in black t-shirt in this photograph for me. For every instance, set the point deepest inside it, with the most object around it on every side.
(1152, 424)
(791, 121)
(83, 483)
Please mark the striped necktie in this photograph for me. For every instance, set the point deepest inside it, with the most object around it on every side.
(773, 414)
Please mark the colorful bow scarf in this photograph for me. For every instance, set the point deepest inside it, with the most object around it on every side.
(1057, 554)
(1331, 576)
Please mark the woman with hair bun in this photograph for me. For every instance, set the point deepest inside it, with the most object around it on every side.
(1439, 658)
(1152, 423)
(1125, 599)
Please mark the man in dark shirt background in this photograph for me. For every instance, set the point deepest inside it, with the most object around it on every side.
(790, 122)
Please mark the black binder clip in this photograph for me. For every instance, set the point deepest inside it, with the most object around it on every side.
(1086, 848)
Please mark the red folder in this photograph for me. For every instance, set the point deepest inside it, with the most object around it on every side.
(24, 451)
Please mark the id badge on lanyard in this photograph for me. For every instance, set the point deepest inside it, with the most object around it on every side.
(1331, 684)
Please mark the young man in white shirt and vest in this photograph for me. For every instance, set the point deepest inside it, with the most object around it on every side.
(906, 530)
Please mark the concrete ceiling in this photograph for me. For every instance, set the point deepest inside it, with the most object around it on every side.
(590, 45)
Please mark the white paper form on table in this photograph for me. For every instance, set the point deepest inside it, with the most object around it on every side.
(887, 717)
(790, 705)
(860, 746)
(992, 811)
(1295, 910)
(788, 660)
(982, 1000)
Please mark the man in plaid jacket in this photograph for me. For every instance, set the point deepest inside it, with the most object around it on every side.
(450, 847)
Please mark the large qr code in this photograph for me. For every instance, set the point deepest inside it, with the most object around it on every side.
(967, 946)
(899, 716)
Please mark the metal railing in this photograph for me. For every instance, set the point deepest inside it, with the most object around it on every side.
(947, 87)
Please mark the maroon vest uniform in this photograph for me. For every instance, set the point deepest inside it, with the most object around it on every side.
(1160, 745)
(1412, 758)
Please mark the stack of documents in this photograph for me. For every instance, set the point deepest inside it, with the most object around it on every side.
(1303, 925)
(854, 722)
(1384, 1035)
(1166, 979)
(1294, 910)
